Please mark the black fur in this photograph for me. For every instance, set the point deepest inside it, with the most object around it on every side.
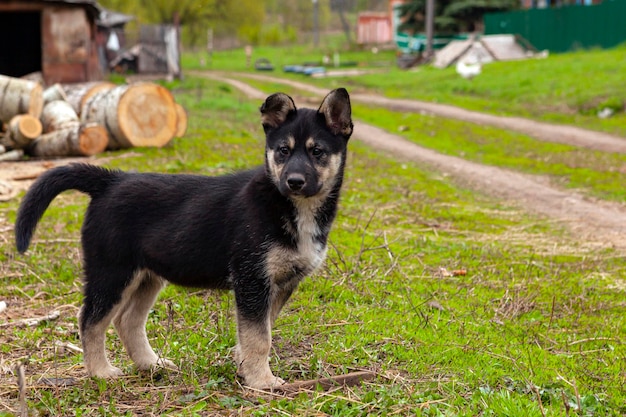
(208, 232)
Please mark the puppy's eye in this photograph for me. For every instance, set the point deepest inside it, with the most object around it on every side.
(284, 150)
(317, 152)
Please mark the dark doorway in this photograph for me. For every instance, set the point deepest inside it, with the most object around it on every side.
(20, 53)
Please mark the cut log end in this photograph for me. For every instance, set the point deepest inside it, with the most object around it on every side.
(93, 139)
(28, 126)
(21, 131)
(181, 120)
(147, 115)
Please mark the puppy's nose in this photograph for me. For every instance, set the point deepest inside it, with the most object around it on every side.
(295, 182)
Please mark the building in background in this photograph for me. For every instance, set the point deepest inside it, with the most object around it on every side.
(57, 39)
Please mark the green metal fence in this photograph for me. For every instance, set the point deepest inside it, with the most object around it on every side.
(564, 28)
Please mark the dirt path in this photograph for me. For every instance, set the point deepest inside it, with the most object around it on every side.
(596, 223)
(547, 132)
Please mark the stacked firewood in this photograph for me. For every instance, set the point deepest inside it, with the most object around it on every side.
(84, 119)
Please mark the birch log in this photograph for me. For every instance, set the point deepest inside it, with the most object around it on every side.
(78, 94)
(52, 93)
(57, 115)
(21, 131)
(74, 140)
(18, 96)
(181, 120)
(141, 114)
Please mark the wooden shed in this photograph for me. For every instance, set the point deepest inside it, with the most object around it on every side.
(57, 38)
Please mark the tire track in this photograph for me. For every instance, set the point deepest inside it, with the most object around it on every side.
(569, 135)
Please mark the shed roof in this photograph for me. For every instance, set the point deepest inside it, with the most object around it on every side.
(109, 18)
(91, 6)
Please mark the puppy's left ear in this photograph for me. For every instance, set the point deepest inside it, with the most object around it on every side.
(277, 108)
(338, 112)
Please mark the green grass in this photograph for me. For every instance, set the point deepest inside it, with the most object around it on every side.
(595, 173)
(531, 323)
(564, 88)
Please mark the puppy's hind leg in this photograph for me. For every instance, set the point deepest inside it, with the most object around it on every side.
(104, 288)
(130, 321)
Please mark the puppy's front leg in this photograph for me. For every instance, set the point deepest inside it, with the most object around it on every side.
(252, 351)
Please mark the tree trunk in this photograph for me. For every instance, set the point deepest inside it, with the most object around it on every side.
(78, 94)
(181, 121)
(141, 114)
(19, 97)
(341, 5)
(58, 114)
(21, 131)
(75, 140)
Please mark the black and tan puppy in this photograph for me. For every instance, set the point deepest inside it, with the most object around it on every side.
(257, 232)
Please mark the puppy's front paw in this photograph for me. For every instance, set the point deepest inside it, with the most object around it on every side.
(268, 383)
(166, 363)
(159, 363)
(109, 372)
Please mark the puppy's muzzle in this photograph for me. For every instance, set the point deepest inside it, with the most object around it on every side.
(296, 182)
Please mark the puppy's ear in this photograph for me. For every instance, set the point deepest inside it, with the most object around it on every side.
(338, 112)
(276, 109)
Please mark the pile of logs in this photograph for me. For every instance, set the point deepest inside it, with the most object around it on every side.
(84, 119)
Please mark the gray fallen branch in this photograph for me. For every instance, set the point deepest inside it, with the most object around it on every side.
(21, 387)
(33, 321)
(14, 155)
(7, 191)
(345, 380)
(67, 346)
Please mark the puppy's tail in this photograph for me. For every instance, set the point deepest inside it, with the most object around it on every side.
(88, 179)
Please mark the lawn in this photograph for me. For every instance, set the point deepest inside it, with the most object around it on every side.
(568, 88)
(462, 305)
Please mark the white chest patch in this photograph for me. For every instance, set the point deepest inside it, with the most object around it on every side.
(282, 262)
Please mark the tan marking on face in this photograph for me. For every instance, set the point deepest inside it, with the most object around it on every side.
(277, 169)
(326, 174)
(274, 168)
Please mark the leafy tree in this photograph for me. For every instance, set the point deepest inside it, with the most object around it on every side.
(413, 16)
(341, 6)
(225, 17)
(451, 15)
